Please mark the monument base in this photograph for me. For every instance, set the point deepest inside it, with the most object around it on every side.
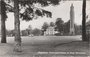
(72, 32)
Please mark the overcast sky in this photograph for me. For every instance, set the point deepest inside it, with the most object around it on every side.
(60, 11)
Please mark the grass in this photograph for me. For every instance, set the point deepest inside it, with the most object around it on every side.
(30, 49)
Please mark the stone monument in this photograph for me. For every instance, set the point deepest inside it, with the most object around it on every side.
(72, 30)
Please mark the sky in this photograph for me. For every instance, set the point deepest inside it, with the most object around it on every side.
(59, 11)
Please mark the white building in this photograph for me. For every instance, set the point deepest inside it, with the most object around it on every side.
(50, 31)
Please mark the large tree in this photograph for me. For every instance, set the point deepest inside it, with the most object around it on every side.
(17, 26)
(66, 27)
(3, 10)
(59, 24)
(3, 18)
(84, 21)
(30, 13)
(36, 32)
(45, 26)
(52, 24)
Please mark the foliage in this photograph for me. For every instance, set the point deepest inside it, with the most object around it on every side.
(31, 11)
(27, 31)
(67, 27)
(78, 29)
(3, 9)
(52, 24)
(45, 26)
(10, 32)
(24, 33)
(42, 2)
(36, 32)
(59, 24)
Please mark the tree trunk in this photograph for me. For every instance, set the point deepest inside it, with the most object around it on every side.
(84, 21)
(3, 18)
(17, 27)
(3, 31)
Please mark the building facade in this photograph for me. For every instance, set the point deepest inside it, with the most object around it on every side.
(50, 31)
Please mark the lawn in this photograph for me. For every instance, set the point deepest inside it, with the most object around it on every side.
(32, 45)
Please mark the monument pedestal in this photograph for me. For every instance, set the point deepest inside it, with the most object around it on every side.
(72, 32)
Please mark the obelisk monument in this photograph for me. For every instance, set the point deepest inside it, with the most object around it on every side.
(72, 30)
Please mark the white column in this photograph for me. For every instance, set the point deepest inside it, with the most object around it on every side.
(72, 30)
